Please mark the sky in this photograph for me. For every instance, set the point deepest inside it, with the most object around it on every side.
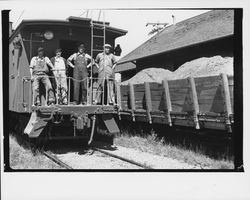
(134, 21)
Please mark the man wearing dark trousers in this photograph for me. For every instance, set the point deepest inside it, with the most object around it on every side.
(80, 73)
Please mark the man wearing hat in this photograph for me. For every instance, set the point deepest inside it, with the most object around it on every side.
(60, 65)
(106, 62)
(80, 72)
(38, 71)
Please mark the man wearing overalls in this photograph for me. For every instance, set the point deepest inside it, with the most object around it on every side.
(106, 63)
(80, 73)
(38, 71)
(60, 65)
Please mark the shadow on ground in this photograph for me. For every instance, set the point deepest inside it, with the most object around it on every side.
(79, 146)
(214, 144)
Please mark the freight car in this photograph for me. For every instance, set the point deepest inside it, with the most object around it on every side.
(198, 102)
(72, 121)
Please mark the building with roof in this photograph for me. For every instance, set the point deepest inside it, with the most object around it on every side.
(205, 35)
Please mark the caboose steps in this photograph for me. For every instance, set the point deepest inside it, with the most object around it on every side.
(36, 124)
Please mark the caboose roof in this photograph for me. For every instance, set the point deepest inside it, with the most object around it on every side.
(70, 21)
(199, 29)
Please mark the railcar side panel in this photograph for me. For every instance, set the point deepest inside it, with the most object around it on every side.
(180, 95)
(18, 69)
(195, 102)
(209, 92)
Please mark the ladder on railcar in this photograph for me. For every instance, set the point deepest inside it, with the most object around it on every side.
(95, 48)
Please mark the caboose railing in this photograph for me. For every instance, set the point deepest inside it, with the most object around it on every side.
(97, 95)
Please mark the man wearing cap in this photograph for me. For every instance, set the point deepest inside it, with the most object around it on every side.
(38, 71)
(60, 65)
(80, 72)
(106, 62)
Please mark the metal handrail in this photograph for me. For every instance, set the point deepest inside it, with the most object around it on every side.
(89, 89)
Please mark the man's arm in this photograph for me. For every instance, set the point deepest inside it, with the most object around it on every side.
(69, 60)
(114, 62)
(66, 66)
(52, 60)
(48, 62)
(97, 60)
(114, 66)
(31, 67)
(89, 58)
(31, 73)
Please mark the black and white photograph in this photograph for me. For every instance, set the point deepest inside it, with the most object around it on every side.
(141, 90)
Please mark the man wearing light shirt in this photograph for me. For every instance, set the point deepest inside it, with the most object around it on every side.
(106, 63)
(60, 76)
(38, 72)
(80, 72)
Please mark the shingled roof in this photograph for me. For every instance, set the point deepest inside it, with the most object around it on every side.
(201, 28)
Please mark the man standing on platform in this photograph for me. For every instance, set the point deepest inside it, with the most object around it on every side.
(60, 65)
(106, 63)
(80, 73)
(38, 71)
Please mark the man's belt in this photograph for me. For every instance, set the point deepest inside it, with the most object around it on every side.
(39, 72)
(59, 69)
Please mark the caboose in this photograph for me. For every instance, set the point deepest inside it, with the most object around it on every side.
(73, 120)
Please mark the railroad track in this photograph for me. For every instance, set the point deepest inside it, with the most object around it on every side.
(53, 157)
(122, 158)
(66, 166)
(64, 162)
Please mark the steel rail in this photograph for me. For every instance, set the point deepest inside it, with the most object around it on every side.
(122, 158)
(47, 154)
(56, 160)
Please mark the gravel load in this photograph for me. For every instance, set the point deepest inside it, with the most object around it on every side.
(205, 66)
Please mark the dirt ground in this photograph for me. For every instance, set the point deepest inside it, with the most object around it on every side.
(93, 160)
(82, 158)
(96, 160)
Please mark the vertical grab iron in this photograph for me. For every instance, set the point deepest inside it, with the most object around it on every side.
(94, 48)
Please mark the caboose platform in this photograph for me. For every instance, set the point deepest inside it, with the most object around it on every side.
(76, 109)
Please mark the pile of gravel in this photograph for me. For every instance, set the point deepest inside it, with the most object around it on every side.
(197, 68)
(205, 67)
(149, 75)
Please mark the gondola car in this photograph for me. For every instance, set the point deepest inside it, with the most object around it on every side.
(71, 121)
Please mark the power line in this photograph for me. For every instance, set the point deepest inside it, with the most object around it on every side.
(83, 13)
